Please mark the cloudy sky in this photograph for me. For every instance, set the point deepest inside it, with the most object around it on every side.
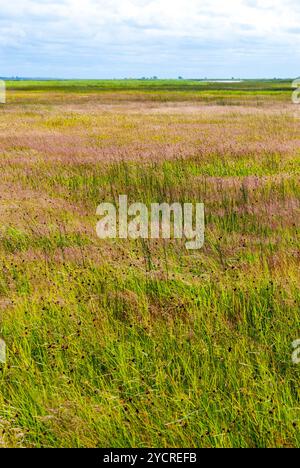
(135, 38)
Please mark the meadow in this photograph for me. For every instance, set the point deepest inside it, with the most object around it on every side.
(141, 343)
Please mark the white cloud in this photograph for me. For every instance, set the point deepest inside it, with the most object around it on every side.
(115, 32)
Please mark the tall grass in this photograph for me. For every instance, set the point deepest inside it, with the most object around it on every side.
(142, 343)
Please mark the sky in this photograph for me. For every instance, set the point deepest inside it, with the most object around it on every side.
(137, 38)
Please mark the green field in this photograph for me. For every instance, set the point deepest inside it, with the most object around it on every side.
(123, 343)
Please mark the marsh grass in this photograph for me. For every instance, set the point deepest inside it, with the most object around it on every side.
(142, 343)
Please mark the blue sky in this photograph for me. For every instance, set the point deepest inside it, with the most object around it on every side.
(135, 38)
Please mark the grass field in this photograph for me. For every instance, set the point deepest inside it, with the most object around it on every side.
(122, 343)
